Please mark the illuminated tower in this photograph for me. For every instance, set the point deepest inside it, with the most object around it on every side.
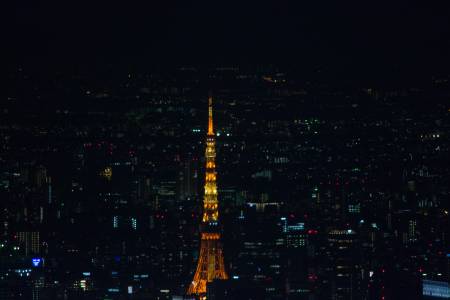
(210, 264)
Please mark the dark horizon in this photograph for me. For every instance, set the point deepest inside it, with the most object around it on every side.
(408, 37)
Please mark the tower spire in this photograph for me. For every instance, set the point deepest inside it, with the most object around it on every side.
(210, 116)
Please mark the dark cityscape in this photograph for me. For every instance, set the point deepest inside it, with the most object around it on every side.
(225, 151)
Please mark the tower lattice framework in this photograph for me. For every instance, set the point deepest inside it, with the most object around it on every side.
(210, 264)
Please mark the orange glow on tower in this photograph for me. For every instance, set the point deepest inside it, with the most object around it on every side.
(210, 117)
(210, 264)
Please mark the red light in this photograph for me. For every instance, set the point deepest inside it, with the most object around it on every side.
(312, 277)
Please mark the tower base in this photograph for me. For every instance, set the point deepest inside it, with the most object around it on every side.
(210, 264)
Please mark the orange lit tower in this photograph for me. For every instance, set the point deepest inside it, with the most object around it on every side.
(210, 264)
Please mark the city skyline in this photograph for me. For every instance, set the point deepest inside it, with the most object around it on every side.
(225, 151)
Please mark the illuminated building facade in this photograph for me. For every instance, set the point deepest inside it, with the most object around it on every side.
(210, 264)
(30, 242)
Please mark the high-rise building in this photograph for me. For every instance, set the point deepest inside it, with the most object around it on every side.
(210, 264)
(167, 192)
(49, 189)
(189, 179)
(29, 240)
(342, 264)
(40, 177)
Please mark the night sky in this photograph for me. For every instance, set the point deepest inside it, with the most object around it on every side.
(341, 34)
